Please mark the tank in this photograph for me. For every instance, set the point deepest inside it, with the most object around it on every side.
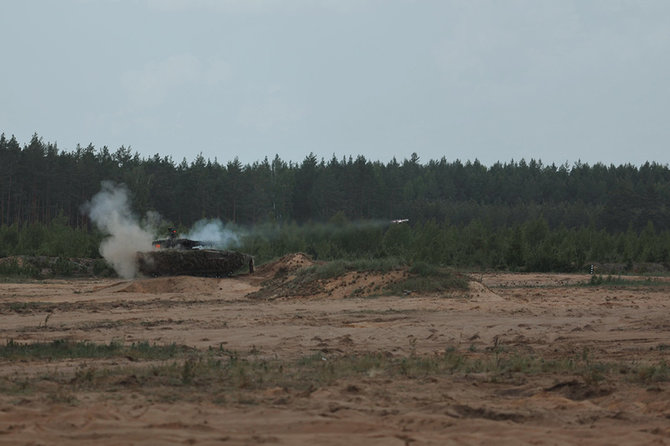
(179, 256)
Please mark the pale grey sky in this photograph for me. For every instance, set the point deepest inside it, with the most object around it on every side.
(494, 80)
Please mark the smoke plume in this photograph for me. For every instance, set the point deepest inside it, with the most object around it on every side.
(213, 233)
(110, 210)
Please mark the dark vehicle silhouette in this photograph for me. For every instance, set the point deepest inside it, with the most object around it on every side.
(181, 256)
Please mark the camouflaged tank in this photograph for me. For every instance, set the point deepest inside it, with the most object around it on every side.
(178, 256)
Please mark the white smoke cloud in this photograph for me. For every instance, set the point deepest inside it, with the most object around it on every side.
(110, 210)
(213, 233)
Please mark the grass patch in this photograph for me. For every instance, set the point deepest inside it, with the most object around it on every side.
(651, 373)
(11, 268)
(421, 285)
(221, 375)
(422, 277)
(27, 307)
(23, 268)
(423, 269)
(599, 280)
(336, 268)
(63, 349)
(426, 278)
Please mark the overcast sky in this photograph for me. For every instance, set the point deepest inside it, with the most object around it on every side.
(559, 81)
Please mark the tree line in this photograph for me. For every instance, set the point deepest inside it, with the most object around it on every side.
(39, 182)
(514, 215)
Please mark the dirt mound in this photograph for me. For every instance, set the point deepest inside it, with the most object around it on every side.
(351, 284)
(288, 263)
(292, 277)
(284, 279)
(356, 284)
(173, 284)
(281, 279)
(481, 293)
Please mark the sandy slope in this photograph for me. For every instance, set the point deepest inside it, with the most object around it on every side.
(533, 314)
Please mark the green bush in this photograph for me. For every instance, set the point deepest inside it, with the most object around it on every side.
(63, 267)
(11, 268)
(101, 268)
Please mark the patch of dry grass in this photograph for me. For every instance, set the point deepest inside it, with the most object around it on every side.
(178, 372)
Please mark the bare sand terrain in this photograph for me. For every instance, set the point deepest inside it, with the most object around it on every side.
(519, 359)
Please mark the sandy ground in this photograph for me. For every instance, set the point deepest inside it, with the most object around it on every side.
(534, 314)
